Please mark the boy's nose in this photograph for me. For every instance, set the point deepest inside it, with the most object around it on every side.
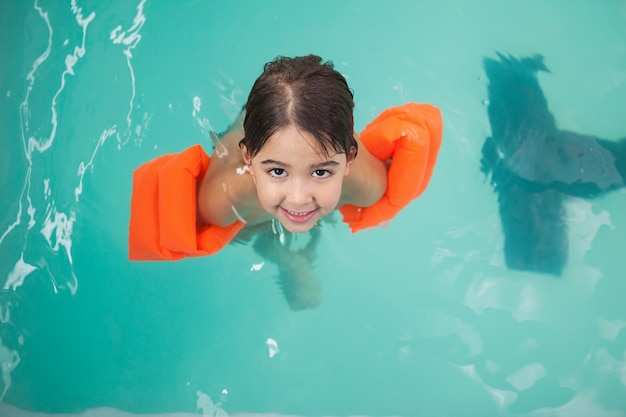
(299, 193)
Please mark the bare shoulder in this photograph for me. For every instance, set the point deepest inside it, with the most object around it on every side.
(226, 192)
(367, 180)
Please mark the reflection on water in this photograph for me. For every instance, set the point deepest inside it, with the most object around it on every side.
(534, 166)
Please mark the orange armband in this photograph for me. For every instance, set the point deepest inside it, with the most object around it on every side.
(411, 136)
(163, 210)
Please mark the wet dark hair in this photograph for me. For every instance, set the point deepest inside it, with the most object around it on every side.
(305, 92)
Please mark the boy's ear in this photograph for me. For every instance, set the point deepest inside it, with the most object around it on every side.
(351, 157)
(244, 153)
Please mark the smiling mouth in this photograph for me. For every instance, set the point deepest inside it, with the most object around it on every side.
(299, 216)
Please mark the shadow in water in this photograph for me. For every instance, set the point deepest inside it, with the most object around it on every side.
(534, 166)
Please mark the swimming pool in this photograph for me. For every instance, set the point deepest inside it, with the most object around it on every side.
(421, 318)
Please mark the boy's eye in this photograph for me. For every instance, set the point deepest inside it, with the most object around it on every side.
(277, 172)
(321, 173)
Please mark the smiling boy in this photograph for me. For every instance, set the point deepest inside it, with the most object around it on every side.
(291, 156)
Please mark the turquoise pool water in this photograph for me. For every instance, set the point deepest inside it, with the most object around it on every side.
(421, 318)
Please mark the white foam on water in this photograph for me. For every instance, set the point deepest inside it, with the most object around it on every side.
(129, 38)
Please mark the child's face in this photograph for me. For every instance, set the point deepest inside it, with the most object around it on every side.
(295, 181)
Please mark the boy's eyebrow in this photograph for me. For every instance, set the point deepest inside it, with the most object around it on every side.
(273, 162)
(325, 164)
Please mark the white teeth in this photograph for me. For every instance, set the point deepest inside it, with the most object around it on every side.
(298, 213)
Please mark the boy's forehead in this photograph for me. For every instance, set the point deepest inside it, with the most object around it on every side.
(294, 143)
